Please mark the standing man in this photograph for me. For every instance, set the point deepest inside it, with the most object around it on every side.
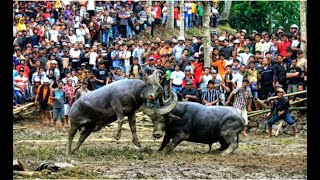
(101, 75)
(243, 97)
(210, 96)
(58, 97)
(281, 108)
(43, 99)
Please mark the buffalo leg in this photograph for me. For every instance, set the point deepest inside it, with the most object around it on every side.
(175, 142)
(166, 140)
(72, 132)
(132, 124)
(84, 134)
(229, 137)
(224, 145)
(117, 107)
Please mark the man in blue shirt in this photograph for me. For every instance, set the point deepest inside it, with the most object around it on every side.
(178, 49)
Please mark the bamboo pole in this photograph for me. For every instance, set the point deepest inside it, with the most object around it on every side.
(280, 126)
(296, 102)
(22, 108)
(87, 140)
(265, 111)
(260, 103)
(291, 94)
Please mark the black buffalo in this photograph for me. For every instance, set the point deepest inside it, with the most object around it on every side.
(198, 123)
(115, 101)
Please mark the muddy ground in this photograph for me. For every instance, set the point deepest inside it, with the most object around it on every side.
(101, 156)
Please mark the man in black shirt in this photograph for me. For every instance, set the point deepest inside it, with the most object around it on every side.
(189, 93)
(293, 76)
(101, 75)
(281, 108)
(280, 70)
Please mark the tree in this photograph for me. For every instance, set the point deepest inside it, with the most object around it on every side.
(181, 18)
(207, 37)
(226, 12)
(170, 20)
(303, 22)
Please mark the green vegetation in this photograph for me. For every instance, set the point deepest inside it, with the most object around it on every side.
(264, 15)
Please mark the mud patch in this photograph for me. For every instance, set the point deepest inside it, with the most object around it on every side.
(257, 156)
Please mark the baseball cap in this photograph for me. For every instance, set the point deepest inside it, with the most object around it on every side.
(54, 62)
(180, 38)
(35, 46)
(280, 27)
(280, 90)
(46, 80)
(36, 79)
(294, 26)
(221, 38)
(83, 64)
(189, 83)
(196, 55)
(278, 85)
(236, 41)
(243, 30)
(64, 44)
(213, 71)
(254, 31)
(21, 69)
(151, 58)
(87, 46)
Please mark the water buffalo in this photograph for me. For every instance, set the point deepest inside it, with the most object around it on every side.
(198, 123)
(114, 101)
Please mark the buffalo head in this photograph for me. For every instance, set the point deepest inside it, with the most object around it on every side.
(153, 95)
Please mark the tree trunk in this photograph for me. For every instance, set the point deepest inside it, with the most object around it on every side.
(170, 20)
(181, 18)
(207, 37)
(303, 24)
(226, 12)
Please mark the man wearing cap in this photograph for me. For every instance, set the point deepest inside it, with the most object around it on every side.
(189, 93)
(242, 101)
(54, 65)
(294, 28)
(34, 89)
(280, 30)
(43, 100)
(210, 96)
(24, 66)
(21, 86)
(280, 108)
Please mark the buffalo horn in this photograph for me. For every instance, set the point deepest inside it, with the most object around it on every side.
(165, 109)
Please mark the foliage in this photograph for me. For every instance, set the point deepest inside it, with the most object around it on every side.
(263, 15)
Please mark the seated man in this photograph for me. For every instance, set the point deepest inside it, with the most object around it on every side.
(281, 111)
(298, 97)
(189, 93)
(210, 96)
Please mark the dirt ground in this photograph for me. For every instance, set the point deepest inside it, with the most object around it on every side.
(102, 157)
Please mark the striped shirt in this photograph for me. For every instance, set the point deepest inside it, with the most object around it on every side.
(20, 82)
(210, 95)
(241, 97)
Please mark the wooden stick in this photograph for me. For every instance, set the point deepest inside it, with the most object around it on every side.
(19, 128)
(291, 94)
(280, 126)
(296, 102)
(24, 106)
(24, 173)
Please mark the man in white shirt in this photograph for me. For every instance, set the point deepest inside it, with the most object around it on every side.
(245, 56)
(125, 56)
(92, 55)
(176, 79)
(54, 34)
(75, 55)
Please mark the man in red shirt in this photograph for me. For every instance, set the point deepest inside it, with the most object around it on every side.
(176, 14)
(282, 47)
(24, 66)
(157, 8)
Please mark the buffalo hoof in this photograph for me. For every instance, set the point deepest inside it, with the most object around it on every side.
(116, 136)
(137, 143)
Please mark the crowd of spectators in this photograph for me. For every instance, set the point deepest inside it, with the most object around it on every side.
(66, 50)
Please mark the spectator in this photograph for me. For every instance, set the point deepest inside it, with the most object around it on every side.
(281, 108)
(293, 76)
(70, 95)
(242, 101)
(302, 63)
(176, 77)
(43, 99)
(101, 76)
(210, 96)
(280, 70)
(58, 97)
(83, 90)
(189, 93)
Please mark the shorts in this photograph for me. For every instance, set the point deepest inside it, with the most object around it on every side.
(57, 112)
(67, 109)
(44, 107)
(244, 114)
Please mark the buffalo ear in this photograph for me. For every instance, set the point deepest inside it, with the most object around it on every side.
(173, 118)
